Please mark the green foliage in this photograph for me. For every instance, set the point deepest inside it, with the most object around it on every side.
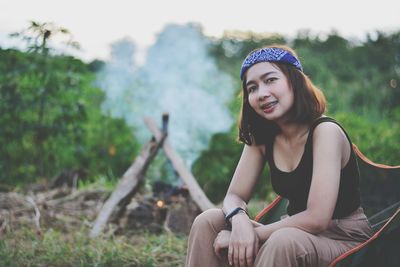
(24, 248)
(50, 114)
(98, 182)
(214, 168)
(355, 77)
(377, 140)
(51, 120)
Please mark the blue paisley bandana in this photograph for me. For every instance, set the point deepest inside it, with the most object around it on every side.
(270, 54)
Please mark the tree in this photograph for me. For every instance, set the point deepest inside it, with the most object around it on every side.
(50, 115)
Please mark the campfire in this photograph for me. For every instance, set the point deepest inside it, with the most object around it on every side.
(168, 207)
(60, 204)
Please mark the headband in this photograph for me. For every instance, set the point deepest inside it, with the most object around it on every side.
(270, 54)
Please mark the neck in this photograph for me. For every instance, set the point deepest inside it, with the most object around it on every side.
(293, 131)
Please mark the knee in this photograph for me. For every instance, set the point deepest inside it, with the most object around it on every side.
(286, 247)
(286, 238)
(211, 218)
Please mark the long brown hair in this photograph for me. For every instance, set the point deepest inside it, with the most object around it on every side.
(309, 104)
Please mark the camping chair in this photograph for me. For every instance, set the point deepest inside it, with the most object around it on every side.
(380, 198)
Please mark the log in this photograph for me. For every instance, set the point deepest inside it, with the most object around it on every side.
(128, 183)
(194, 188)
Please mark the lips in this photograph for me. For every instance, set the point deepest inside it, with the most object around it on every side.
(268, 105)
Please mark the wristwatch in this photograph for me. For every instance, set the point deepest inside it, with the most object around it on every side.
(233, 213)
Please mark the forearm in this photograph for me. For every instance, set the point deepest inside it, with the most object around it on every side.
(305, 220)
(232, 201)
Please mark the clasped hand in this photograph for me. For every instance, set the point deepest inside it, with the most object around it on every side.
(242, 243)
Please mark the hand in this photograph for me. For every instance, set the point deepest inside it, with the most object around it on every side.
(222, 242)
(244, 242)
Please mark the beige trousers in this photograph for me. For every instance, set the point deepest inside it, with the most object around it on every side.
(285, 247)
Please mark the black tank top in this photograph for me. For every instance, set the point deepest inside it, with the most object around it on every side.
(295, 185)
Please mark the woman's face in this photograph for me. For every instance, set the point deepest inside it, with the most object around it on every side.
(269, 92)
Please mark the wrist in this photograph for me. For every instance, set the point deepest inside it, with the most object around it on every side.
(240, 216)
(234, 212)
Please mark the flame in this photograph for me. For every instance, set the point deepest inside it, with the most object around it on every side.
(112, 150)
(160, 203)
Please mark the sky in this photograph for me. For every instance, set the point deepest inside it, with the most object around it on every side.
(97, 24)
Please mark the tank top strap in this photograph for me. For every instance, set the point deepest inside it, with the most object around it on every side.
(316, 122)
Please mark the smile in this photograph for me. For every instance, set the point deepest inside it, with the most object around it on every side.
(268, 105)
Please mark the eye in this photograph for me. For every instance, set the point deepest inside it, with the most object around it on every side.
(251, 89)
(270, 80)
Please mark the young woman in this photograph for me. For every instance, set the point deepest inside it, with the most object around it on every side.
(312, 164)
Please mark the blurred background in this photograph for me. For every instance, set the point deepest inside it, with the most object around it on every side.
(78, 77)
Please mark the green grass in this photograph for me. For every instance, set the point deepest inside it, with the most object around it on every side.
(54, 248)
(21, 246)
(100, 181)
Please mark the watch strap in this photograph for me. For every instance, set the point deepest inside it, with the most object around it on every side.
(233, 213)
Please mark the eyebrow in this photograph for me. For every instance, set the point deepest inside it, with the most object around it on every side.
(261, 77)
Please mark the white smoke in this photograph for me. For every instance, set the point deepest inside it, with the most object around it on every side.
(117, 77)
(178, 77)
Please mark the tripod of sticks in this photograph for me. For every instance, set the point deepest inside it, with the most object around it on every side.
(136, 173)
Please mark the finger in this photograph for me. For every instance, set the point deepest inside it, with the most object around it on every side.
(215, 246)
(242, 256)
(236, 251)
(217, 250)
(230, 254)
(256, 247)
(249, 256)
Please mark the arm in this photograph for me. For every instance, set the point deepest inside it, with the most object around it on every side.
(243, 241)
(331, 150)
(244, 179)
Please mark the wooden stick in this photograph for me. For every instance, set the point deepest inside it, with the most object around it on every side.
(194, 189)
(4, 225)
(128, 183)
(37, 215)
(72, 197)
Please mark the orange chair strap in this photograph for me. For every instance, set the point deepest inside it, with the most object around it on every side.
(267, 208)
(357, 248)
(367, 160)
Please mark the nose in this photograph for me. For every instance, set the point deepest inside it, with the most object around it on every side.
(263, 93)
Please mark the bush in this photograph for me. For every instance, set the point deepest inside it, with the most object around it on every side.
(51, 120)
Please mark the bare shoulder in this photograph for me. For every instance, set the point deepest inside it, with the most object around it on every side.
(330, 140)
(329, 137)
(329, 131)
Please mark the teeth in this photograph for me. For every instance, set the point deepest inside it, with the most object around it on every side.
(269, 104)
